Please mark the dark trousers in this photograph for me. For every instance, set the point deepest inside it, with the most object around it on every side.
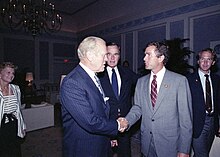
(124, 146)
(202, 145)
(12, 149)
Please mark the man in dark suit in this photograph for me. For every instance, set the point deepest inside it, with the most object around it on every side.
(120, 102)
(163, 99)
(85, 109)
(205, 117)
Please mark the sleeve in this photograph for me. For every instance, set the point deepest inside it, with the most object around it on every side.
(185, 116)
(135, 112)
(21, 123)
(81, 104)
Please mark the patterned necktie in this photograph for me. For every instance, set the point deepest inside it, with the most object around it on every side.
(208, 101)
(114, 83)
(154, 90)
(99, 86)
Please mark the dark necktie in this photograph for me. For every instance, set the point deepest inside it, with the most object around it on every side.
(208, 102)
(114, 83)
(154, 90)
(99, 86)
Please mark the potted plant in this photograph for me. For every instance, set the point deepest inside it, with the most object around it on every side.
(179, 56)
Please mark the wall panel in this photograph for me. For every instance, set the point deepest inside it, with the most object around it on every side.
(44, 60)
(20, 51)
(146, 36)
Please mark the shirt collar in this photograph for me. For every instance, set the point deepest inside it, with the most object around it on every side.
(109, 69)
(159, 73)
(201, 74)
(88, 71)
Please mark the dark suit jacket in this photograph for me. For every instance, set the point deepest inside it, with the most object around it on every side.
(128, 82)
(198, 101)
(85, 117)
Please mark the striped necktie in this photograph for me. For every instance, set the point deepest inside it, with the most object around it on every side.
(154, 90)
(99, 86)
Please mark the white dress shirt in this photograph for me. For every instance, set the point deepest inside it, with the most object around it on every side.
(159, 79)
(109, 70)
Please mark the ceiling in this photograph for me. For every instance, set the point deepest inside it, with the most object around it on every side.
(79, 15)
(83, 14)
(71, 7)
(69, 10)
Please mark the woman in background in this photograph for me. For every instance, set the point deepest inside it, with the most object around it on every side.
(10, 102)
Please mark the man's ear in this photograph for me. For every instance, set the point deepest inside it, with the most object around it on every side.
(162, 58)
(90, 56)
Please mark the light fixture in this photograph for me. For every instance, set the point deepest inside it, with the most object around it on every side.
(29, 78)
(32, 16)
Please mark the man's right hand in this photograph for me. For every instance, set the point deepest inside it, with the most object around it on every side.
(123, 124)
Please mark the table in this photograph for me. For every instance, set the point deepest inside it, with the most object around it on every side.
(38, 117)
(215, 150)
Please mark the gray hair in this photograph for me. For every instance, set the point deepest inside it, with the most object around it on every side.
(88, 44)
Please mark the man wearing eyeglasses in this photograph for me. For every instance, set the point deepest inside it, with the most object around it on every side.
(205, 87)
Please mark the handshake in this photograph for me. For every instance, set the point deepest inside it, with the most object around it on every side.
(123, 124)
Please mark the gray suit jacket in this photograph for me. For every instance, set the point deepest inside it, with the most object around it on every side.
(170, 122)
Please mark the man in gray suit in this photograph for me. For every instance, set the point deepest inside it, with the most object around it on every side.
(164, 102)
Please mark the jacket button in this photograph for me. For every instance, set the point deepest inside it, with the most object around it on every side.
(152, 120)
(150, 132)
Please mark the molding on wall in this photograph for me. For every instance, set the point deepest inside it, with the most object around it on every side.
(133, 24)
(191, 28)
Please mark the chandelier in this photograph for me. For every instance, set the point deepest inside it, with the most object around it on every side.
(33, 17)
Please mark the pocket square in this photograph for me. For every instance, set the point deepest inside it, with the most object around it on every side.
(106, 99)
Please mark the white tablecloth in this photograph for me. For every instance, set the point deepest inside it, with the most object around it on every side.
(215, 150)
(38, 117)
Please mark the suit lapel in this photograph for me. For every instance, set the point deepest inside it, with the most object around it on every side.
(91, 84)
(107, 87)
(146, 94)
(198, 85)
(214, 85)
(164, 87)
(123, 82)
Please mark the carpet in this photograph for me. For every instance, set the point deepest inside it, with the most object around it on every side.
(43, 143)
(48, 143)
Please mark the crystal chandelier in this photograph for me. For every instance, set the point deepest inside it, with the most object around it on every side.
(34, 17)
